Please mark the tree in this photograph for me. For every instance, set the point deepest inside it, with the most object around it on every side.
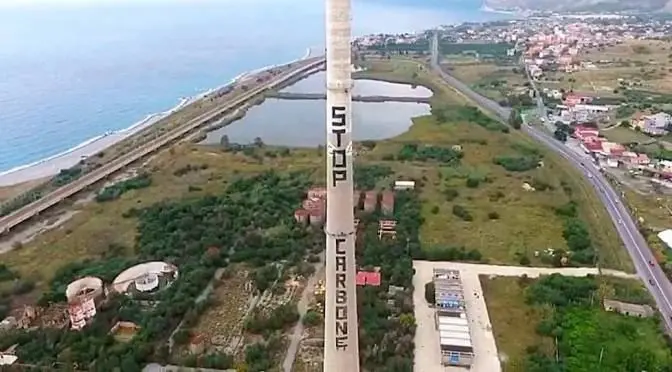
(430, 296)
(515, 119)
(224, 141)
(560, 135)
(311, 318)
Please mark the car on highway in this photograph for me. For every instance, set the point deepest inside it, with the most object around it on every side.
(651, 282)
(651, 263)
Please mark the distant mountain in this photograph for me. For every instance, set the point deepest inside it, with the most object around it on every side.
(581, 5)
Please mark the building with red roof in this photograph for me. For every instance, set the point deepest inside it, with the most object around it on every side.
(368, 278)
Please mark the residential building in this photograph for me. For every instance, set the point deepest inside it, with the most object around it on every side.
(655, 125)
(404, 185)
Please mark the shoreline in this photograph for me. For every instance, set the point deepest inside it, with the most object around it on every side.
(52, 165)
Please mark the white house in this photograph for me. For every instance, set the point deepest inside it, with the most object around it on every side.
(404, 185)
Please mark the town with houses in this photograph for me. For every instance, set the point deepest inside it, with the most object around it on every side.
(553, 49)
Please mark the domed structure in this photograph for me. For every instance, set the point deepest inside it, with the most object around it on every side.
(145, 277)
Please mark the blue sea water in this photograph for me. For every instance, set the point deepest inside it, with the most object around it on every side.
(71, 70)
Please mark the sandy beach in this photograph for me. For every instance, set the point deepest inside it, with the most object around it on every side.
(53, 165)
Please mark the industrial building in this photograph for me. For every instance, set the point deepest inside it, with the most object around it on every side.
(451, 319)
(147, 277)
(84, 296)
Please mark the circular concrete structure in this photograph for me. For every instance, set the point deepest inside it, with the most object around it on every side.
(145, 277)
(82, 295)
(147, 282)
(83, 289)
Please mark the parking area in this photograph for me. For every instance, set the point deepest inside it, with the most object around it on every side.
(427, 348)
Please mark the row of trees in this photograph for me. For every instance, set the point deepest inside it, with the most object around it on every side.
(576, 234)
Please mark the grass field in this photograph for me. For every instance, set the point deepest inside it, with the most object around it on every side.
(642, 63)
(514, 322)
(90, 232)
(482, 75)
(625, 135)
(527, 221)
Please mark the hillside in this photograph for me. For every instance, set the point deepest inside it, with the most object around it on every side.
(581, 5)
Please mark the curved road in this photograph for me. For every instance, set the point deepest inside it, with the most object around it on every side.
(14, 219)
(652, 275)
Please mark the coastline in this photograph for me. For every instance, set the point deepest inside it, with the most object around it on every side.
(52, 165)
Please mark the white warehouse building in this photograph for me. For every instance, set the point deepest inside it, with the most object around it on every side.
(451, 319)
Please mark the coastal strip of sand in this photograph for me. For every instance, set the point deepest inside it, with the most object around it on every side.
(45, 168)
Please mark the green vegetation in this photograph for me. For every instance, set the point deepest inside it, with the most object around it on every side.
(515, 120)
(118, 189)
(413, 152)
(386, 332)
(19, 202)
(576, 234)
(6, 273)
(65, 176)
(528, 159)
(469, 114)
(584, 331)
(367, 176)
(181, 232)
(211, 215)
(279, 319)
(528, 316)
(521, 163)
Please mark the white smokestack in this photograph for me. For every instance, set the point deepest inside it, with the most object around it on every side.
(341, 344)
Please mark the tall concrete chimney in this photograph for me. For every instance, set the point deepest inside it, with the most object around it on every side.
(341, 344)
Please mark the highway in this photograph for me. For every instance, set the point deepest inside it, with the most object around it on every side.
(14, 219)
(652, 275)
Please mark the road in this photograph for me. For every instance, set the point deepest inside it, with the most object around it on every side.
(12, 220)
(652, 275)
(302, 306)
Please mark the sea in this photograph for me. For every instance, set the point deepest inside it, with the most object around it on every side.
(73, 70)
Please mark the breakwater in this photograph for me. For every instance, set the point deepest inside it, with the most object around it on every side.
(322, 96)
